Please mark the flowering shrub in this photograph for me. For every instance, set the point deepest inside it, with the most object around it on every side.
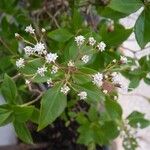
(76, 76)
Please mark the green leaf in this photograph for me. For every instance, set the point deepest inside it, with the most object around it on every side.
(110, 13)
(52, 105)
(9, 90)
(5, 114)
(94, 94)
(32, 66)
(147, 81)
(114, 109)
(60, 35)
(116, 37)
(134, 83)
(22, 113)
(142, 28)
(23, 132)
(136, 118)
(125, 6)
(110, 130)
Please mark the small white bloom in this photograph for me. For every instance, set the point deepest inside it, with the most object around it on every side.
(51, 57)
(105, 91)
(17, 35)
(105, 76)
(114, 60)
(97, 79)
(92, 41)
(20, 63)
(27, 82)
(114, 74)
(29, 29)
(43, 30)
(41, 71)
(101, 46)
(49, 82)
(54, 69)
(115, 97)
(82, 95)
(85, 58)
(39, 48)
(28, 50)
(79, 40)
(71, 64)
(65, 89)
(123, 59)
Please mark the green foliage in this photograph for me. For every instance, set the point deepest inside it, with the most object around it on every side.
(88, 98)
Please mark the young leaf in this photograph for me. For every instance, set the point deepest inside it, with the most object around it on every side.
(114, 109)
(60, 35)
(52, 105)
(127, 7)
(23, 132)
(5, 114)
(142, 28)
(9, 90)
(136, 118)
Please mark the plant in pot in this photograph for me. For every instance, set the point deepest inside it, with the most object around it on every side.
(70, 77)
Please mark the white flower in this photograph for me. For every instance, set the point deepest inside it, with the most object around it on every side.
(65, 89)
(105, 91)
(114, 74)
(17, 35)
(41, 71)
(50, 82)
(43, 30)
(85, 58)
(54, 69)
(97, 79)
(39, 48)
(123, 59)
(29, 29)
(101, 46)
(20, 63)
(79, 40)
(92, 41)
(114, 60)
(115, 97)
(27, 82)
(71, 64)
(82, 95)
(28, 50)
(51, 57)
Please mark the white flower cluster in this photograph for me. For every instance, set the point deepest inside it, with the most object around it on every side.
(65, 89)
(20, 63)
(41, 71)
(29, 29)
(98, 79)
(85, 58)
(82, 95)
(101, 46)
(50, 82)
(51, 57)
(79, 40)
(92, 41)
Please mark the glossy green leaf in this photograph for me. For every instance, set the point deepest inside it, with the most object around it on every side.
(125, 6)
(142, 28)
(9, 90)
(22, 132)
(52, 105)
(114, 109)
(60, 35)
